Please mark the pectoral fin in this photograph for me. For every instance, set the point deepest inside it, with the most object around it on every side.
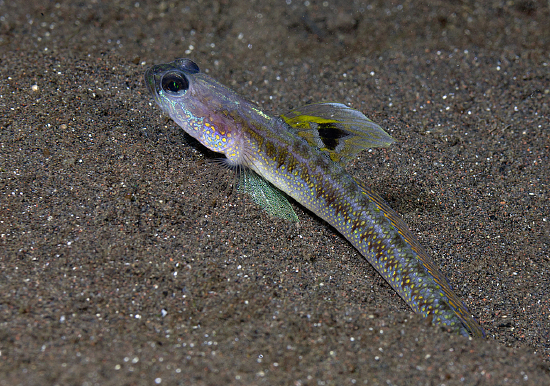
(268, 197)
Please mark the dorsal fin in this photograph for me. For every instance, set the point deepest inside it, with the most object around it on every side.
(337, 129)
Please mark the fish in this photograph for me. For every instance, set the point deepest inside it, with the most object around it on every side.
(302, 154)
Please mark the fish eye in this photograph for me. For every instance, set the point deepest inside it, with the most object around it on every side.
(174, 83)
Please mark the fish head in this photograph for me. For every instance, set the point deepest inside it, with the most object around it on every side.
(204, 108)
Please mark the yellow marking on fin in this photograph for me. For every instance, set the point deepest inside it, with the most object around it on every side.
(303, 120)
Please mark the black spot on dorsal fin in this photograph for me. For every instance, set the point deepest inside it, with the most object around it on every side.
(330, 134)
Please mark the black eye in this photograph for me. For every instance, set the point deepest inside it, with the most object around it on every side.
(174, 83)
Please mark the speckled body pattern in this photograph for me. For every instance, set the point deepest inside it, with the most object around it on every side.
(226, 123)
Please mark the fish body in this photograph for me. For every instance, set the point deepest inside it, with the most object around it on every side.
(303, 154)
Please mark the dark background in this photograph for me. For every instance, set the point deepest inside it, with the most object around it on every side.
(126, 259)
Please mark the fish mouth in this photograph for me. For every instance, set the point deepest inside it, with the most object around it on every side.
(151, 82)
(153, 77)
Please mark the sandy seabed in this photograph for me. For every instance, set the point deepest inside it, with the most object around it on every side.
(127, 259)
